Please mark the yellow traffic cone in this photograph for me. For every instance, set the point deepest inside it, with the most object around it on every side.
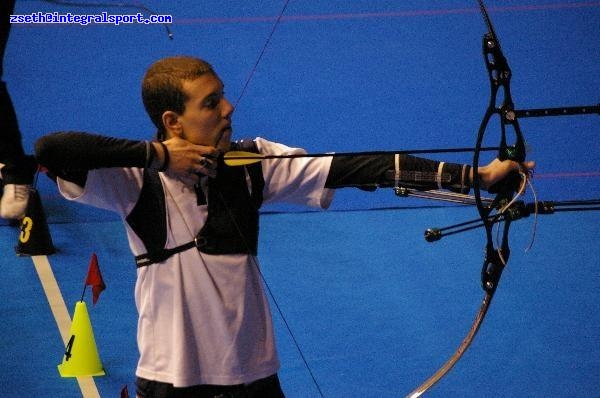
(81, 356)
(34, 237)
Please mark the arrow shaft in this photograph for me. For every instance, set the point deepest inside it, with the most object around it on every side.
(367, 153)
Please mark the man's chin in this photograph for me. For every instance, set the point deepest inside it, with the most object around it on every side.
(224, 146)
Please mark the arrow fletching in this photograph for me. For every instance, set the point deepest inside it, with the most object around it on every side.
(241, 158)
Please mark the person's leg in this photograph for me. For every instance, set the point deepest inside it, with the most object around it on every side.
(19, 169)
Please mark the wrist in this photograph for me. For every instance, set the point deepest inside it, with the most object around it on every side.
(481, 173)
(160, 158)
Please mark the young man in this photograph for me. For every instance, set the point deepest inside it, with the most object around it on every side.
(204, 327)
(17, 173)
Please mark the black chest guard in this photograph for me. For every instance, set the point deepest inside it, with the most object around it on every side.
(233, 213)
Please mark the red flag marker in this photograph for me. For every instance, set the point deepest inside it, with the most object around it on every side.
(94, 279)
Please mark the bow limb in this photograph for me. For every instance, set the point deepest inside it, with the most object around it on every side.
(445, 368)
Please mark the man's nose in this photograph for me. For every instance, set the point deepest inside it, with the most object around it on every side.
(227, 108)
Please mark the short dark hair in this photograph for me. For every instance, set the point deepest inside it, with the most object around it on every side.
(162, 86)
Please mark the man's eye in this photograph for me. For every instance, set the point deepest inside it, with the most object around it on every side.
(212, 101)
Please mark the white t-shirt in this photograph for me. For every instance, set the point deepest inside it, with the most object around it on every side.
(203, 319)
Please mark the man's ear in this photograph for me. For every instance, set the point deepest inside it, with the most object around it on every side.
(172, 125)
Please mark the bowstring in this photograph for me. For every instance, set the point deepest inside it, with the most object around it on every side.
(268, 287)
(252, 257)
(262, 53)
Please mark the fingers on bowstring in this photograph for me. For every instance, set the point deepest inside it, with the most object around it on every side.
(207, 166)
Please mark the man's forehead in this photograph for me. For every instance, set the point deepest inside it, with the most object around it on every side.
(202, 85)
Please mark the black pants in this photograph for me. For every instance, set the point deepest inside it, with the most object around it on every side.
(19, 168)
(268, 387)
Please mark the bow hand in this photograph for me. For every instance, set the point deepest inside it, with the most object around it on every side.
(500, 175)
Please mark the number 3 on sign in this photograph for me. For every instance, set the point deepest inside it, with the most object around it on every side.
(26, 226)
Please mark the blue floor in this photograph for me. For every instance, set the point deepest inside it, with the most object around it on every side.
(374, 308)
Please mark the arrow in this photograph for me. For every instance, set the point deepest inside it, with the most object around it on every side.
(242, 158)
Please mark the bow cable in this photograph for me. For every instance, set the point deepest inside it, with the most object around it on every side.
(253, 258)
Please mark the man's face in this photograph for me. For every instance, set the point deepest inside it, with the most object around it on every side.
(206, 119)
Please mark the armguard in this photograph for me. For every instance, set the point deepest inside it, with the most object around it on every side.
(372, 171)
